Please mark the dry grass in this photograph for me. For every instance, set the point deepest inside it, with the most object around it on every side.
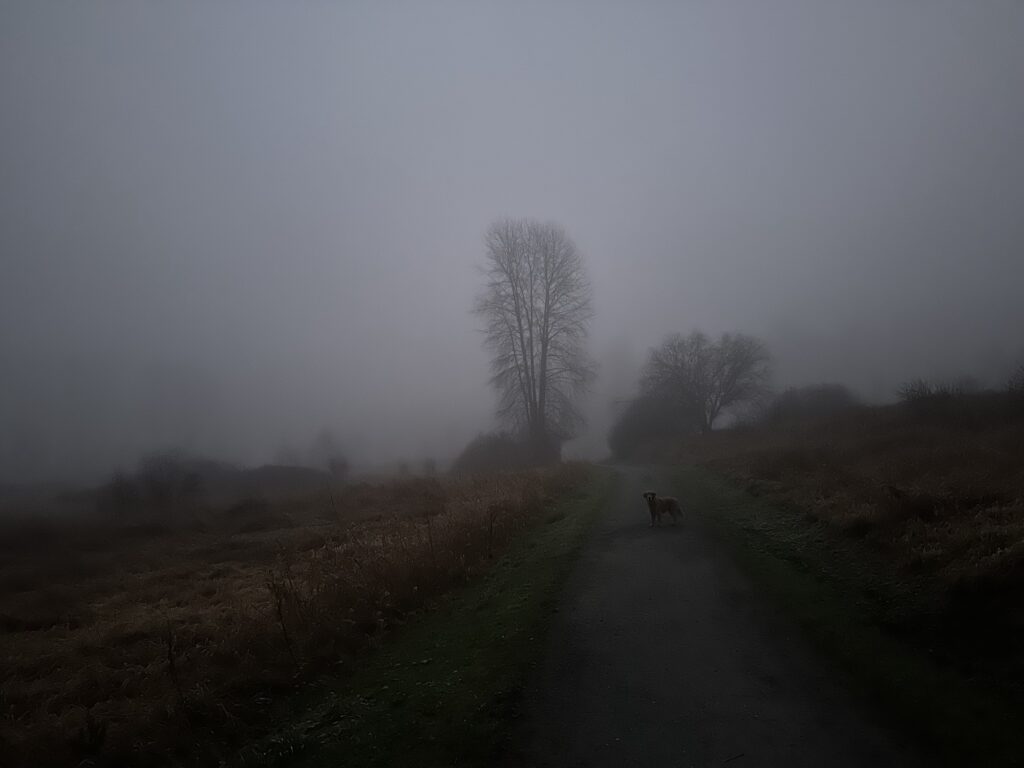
(896, 535)
(942, 491)
(937, 488)
(146, 645)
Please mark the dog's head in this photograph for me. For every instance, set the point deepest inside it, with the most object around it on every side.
(649, 497)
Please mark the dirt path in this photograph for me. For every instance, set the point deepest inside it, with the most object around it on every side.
(663, 654)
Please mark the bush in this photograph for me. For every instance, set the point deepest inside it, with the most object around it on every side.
(1015, 384)
(494, 452)
(649, 420)
(119, 496)
(917, 390)
(811, 403)
(166, 484)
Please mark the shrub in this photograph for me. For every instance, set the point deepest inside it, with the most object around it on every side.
(919, 389)
(166, 484)
(811, 403)
(1015, 384)
(120, 496)
(495, 452)
(915, 390)
(647, 421)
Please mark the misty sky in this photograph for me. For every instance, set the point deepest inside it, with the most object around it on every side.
(227, 225)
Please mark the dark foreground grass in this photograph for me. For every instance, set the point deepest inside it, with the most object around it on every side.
(171, 644)
(847, 598)
(444, 690)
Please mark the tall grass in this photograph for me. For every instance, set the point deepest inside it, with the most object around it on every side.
(948, 464)
(931, 489)
(167, 648)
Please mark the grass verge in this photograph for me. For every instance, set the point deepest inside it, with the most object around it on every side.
(445, 690)
(844, 596)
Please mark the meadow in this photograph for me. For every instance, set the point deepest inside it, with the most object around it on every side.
(138, 640)
(916, 510)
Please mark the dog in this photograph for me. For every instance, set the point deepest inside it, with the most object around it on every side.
(661, 505)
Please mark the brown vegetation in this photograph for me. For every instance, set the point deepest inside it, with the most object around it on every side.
(933, 487)
(940, 488)
(149, 644)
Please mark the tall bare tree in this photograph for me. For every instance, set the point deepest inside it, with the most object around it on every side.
(705, 376)
(536, 305)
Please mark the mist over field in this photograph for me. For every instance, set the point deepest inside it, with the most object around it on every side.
(227, 227)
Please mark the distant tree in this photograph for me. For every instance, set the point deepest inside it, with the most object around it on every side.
(915, 389)
(1015, 383)
(169, 480)
(965, 385)
(325, 452)
(338, 466)
(919, 389)
(536, 306)
(119, 496)
(707, 377)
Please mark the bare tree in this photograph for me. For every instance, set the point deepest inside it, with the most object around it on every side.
(536, 305)
(707, 377)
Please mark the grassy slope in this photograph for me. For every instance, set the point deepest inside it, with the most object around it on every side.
(935, 485)
(845, 596)
(444, 690)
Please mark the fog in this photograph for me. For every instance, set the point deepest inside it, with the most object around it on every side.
(227, 226)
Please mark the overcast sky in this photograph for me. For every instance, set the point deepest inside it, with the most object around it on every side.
(227, 225)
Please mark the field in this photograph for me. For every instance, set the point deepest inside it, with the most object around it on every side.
(447, 690)
(913, 513)
(151, 644)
